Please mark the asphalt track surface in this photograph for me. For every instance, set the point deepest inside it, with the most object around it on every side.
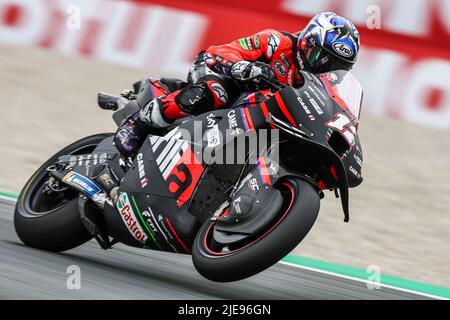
(129, 273)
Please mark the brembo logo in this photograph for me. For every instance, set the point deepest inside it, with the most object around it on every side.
(129, 218)
(343, 49)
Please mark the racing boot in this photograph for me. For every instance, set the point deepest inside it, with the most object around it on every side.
(133, 131)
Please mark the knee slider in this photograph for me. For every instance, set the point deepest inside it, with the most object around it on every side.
(202, 97)
(194, 99)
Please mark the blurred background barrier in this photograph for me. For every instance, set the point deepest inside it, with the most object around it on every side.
(404, 65)
(52, 66)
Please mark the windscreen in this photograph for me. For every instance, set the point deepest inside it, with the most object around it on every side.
(345, 90)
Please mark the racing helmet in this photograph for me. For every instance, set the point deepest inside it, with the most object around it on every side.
(329, 42)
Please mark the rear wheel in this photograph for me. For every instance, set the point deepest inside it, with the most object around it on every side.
(52, 221)
(242, 260)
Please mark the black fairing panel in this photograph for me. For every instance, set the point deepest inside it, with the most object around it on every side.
(353, 164)
(116, 227)
(173, 228)
(311, 108)
(169, 226)
(156, 185)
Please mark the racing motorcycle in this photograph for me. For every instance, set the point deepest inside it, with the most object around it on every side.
(236, 218)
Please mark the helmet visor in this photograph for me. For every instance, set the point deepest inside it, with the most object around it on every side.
(321, 60)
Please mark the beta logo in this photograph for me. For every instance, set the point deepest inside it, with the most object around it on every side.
(343, 49)
(129, 218)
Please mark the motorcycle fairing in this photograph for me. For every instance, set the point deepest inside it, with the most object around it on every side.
(312, 154)
(173, 172)
(173, 181)
(308, 109)
(167, 227)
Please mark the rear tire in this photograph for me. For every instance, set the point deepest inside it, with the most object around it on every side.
(52, 229)
(293, 225)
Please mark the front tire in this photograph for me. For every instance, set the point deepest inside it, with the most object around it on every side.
(298, 214)
(53, 224)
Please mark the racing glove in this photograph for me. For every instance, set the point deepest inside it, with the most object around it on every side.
(256, 71)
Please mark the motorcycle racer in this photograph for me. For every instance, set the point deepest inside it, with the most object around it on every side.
(219, 74)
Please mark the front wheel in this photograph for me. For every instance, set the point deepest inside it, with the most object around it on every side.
(223, 264)
(52, 221)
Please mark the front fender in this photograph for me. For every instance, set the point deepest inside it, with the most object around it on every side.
(324, 159)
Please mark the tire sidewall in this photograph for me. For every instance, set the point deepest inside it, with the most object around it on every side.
(57, 230)
(266, 251)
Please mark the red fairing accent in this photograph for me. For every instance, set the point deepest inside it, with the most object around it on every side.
(284, 109)
(177, 237)
(195, 168)
(256, 97)
(333, 172)
(321, 185)
(225, 214)
(335, 96)
(265, 176)
(264, 109)
(249, 119)
(171, 109)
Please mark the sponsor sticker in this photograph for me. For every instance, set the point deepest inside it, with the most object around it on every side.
(313, 102)
(243, 43)
(318, 92)
(253, 184)
(285, 60)
(141, 169)
(355, 172)
(157, 226)
(232, 123)
(210, 120)
(236, 205)
(257, 42)
(249, 43)
(344, 125)
(244, 181)
(304, 106)
(343, 49)
(358, 160)
(331, 76)
(129, 218)
(280, 68)
(316, 106)
(213, 136)
(81, 183)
